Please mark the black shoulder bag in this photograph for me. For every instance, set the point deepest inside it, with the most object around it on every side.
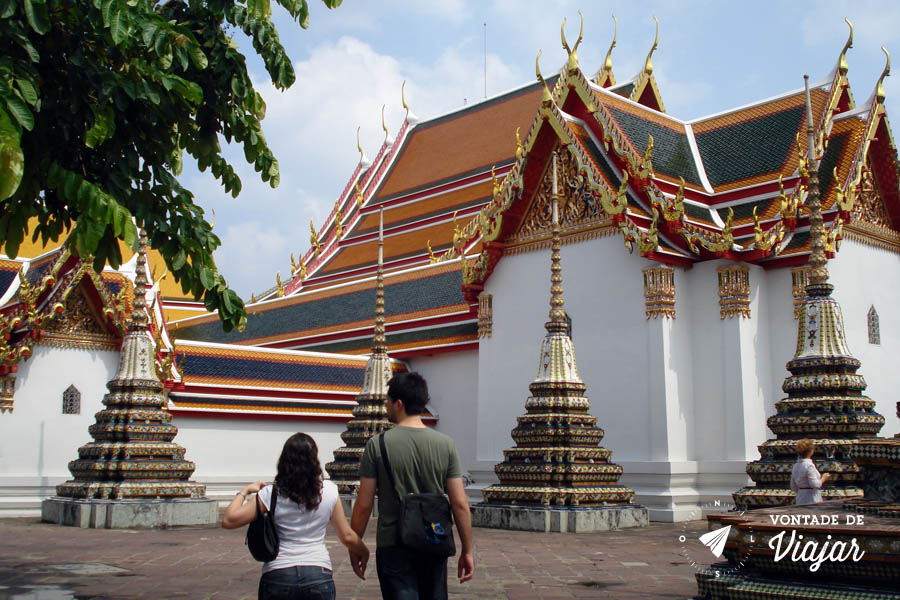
(425, 519)
(262, 536)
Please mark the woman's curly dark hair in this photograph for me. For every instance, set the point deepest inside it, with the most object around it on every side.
(299, 472)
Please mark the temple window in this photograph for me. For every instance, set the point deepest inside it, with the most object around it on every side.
(873, 326)
(71, 401)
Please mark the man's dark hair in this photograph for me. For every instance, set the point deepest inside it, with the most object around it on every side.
(411, 389)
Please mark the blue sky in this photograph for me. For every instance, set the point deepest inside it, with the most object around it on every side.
(712, 56)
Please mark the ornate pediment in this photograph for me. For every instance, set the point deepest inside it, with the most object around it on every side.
(79, 324)
(579, 209)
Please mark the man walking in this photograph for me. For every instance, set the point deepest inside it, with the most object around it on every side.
(422, 460)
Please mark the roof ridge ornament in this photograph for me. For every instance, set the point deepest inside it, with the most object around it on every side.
(411, 118)
(648, 66)
(520, 150)
(387, 135)
(572, 64)
(843, 67)
(313, 239)
(365, 162)
(879, 88)
(607, 68)
(545, 95)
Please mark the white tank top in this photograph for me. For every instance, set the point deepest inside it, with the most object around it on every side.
(301, 532)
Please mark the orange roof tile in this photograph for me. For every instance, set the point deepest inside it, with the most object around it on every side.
(459, 143)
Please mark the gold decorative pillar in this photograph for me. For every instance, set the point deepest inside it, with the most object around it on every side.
(799, 279)
(659, 292)
(7, 389)
(734, 291)
(485, 315)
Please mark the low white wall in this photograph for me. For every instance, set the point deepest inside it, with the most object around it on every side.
(37, 441)
(232, 452)
(453, 387)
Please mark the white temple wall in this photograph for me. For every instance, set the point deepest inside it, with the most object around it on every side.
(866, 276)
(37, 440)
(604, 297)
(230, 453)
(453, 388)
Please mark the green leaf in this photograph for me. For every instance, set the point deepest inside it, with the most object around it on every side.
(107, 9)
(36, 13)
(230, 301)
(207, 277)
(12, 159)
(118, 26)
(179, 260)
(198, 57)
(103, 126)
(29, 92)
(7, 8)
(20, 111)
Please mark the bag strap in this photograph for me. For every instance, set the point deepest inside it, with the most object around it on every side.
(387, 464)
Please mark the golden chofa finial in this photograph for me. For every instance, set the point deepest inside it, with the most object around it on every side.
(383, 126)
(648, 66)
(605, 76)
(293, 264)
(338, 218)
(842, 61)
(359, 195)
(313, 240)
(279, 284)
(545, 95)
(362, 155)
(879, 88)
(572, 65)
(212, 223)
(403, 98)
(520, 150)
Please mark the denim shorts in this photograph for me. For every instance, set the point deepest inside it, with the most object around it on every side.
(404, 574)
(297, 583)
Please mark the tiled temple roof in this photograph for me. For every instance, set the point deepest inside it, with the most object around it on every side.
(340, 317)
(228, 380)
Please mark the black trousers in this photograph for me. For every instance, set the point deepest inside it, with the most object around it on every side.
(407, 575)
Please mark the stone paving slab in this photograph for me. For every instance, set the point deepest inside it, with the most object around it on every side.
(40, 561)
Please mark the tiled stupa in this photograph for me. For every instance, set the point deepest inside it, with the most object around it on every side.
(133, 456)
(557, 458)
(825, 400)
(369, 414)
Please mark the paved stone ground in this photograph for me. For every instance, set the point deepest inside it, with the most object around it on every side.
(41, 561)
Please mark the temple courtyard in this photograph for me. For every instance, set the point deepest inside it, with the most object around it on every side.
(40, 561)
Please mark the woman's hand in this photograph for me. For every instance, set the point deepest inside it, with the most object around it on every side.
(240, 512)
(253, 488)
(359, 558)
(825, 478)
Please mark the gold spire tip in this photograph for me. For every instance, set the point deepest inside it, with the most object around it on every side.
(648, 66)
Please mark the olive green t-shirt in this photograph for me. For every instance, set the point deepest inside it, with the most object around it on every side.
(422, 460)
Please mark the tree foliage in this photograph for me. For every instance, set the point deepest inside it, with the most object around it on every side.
(99, 99)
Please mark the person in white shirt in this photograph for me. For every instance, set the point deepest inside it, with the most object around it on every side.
(306, 504)
(805, 478)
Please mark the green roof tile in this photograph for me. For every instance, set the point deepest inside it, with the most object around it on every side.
(671, 150)
(750, 148)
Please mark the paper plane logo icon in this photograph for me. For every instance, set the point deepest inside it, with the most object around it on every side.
(715, 540)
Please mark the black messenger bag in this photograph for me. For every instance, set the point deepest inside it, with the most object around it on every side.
(262, 536)
(425, 519)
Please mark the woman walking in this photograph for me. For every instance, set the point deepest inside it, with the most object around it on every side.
(306, 504)
(805, 478)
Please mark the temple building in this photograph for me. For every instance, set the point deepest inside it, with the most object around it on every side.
(685, 244)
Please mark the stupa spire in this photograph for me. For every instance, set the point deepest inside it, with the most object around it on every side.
(825, 400)
(557, 458)
(369, 414)
(133, 455)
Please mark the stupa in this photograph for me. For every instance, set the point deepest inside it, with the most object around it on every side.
(369, 414)
(558, 459)
(825, 400)
(850, 544)
(132, 475)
